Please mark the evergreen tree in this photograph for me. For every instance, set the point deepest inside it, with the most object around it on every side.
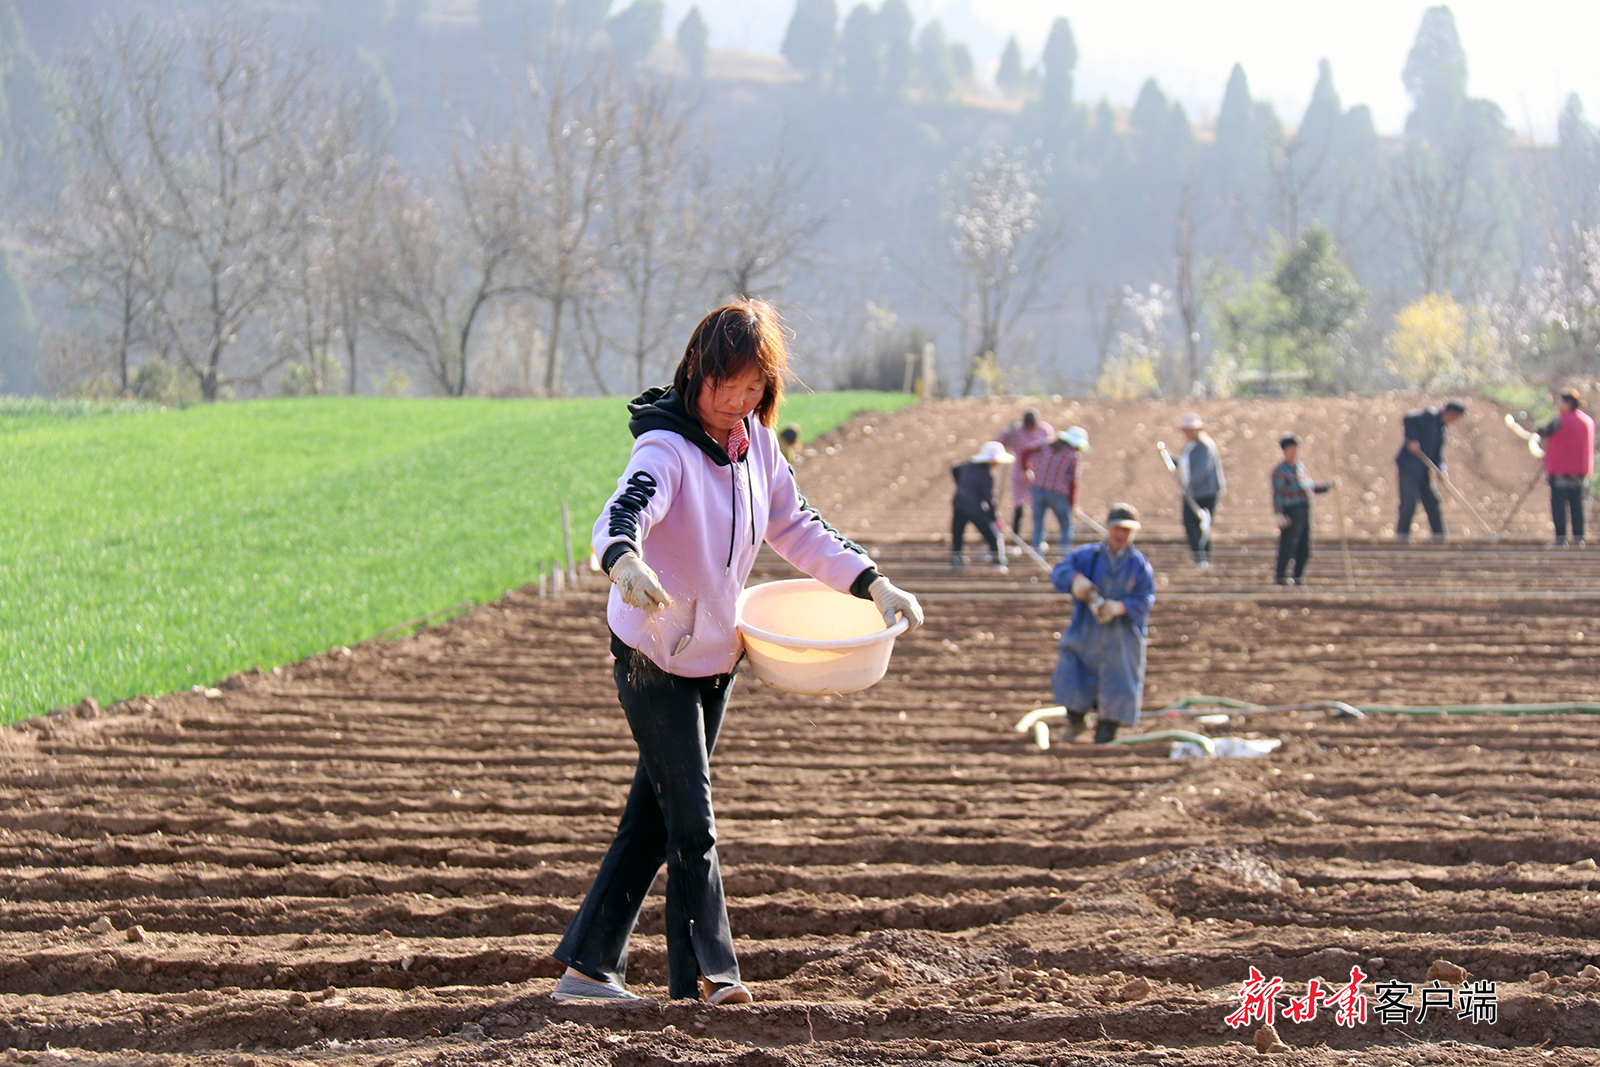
(858, 47)
(894, 36)
(808, 42)
(935, 71)
(1436, 76)
(1321, 121)
(635, 29)
(692, 40)
(1060, 59)
(585, 18)
(1009, 76)
(961, 62)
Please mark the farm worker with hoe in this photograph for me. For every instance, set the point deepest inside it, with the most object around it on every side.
(1055, 484)
(705, 485)
(1024, 440)
(1422, 453)
(1292, 489)
(1102, 653)
(974, 502)
(1568, 462)
(1200, 474)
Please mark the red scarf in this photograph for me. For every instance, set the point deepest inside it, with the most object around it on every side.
(738, 442)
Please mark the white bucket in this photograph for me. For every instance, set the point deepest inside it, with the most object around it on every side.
(804, 637)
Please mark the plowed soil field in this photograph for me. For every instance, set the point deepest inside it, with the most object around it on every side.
(365, 858)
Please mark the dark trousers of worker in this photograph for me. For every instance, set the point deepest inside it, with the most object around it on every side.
(667, 818)
(1191, 526)
(958, 533)
(1415, 489)
(1564, 500)
(1294, 542)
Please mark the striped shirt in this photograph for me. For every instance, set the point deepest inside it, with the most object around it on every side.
(1056, 469)
(1292, 487)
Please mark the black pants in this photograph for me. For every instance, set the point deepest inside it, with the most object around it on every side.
(1191, 526)
(1565, 499)
(667, 818)
(985, 524)
(1415, 488)
(1294, 542)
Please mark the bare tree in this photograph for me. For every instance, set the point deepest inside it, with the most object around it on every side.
(652, 225)
(1005, 243)
(762, 227)
(1441, 216)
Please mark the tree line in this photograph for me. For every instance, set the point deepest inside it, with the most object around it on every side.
(357, 199)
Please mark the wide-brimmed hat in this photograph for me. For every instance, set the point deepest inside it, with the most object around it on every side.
(993, 452)
(1076, 436)
(1191, 421)
(1123, 515)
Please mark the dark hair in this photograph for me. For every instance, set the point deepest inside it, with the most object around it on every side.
(1288, 439)
(1572, 396)
(1030, 418)
(737, 336)
(1457, 406)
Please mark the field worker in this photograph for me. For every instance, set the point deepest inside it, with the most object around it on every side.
(1024, 440)
(1101, 665)
(704, 487)
(1055, 484)
(789, 442)
(1424, 444)
(1200, 474)
(1292, 489)
(975, 502)
(1568, 462)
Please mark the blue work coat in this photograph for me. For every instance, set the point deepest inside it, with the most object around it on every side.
(1102, 664)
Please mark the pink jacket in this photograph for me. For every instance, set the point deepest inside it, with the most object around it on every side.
(1570, 450)
(698, 520)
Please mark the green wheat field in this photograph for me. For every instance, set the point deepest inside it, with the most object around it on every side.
(146, 550)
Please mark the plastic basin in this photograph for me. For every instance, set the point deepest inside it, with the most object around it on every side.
(802, 637)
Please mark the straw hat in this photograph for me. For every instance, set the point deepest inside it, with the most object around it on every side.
(1191, 421)
(993, 452)
(1076, 436)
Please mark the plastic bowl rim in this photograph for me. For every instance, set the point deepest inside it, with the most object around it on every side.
(808, 643)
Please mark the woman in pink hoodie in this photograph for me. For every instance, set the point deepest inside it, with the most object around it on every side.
(705, 486)
(1568, 462)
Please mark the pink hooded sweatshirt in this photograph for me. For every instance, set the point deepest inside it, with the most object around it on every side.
(698, 519)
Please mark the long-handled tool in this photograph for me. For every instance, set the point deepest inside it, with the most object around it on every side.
(1344, 543)
(1087, 521)
(1535, 448)
(1459, 495)
(1006, 531)
(1203, 513)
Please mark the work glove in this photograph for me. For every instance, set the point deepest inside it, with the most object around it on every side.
(638, 584)
(1283, 521)
(1110, 609)
(892, 601)
(1083, 588)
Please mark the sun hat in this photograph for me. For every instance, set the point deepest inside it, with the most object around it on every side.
(993, 452)
(1191, 421)
(1123, 515)
(1076, 436)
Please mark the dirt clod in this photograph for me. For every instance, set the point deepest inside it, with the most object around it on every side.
(1268, 1042)
(1447, 972)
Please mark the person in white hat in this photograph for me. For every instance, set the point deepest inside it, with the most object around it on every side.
(974, 502)
(1200, 472)
(1055, 484)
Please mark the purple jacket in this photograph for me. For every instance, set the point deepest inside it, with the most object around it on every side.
(698, 519)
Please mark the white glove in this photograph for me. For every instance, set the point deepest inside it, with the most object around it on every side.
(1083, 588)
(1283, 522)
(638, 584)
(1110, 609)
(892, 601)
